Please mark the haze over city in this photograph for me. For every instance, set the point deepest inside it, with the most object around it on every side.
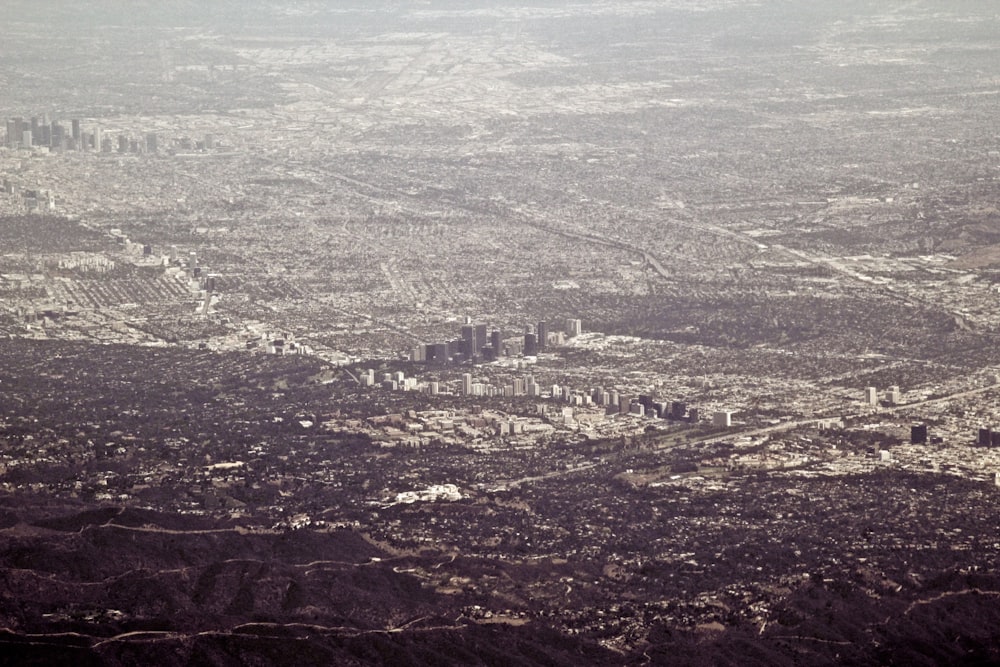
(499, 332)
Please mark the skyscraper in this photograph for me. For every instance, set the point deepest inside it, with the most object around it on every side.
(481, 338)
(530, 345)
(871, 396)
(468, 340)
(12, 135)
(542, 331)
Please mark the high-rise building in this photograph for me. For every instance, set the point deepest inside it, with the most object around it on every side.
(871, 396)
(722, 419)
(542, 331)
(574, 327)
(467, 384)
(12, 135)
(496, 341)
(441, 353)
(918, 434)
(985, 439)
(893, 396)
(75, 125)
(58, 135)
(26, 140)
(468, 341)
(530, 345)
(481, 337)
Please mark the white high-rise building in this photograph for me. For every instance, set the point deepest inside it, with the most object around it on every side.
(871, 396)
(722, 419)
(893, 396)
(574, 327)
(467, 384)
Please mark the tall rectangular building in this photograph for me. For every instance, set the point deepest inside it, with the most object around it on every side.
(468, 340)
(871, 396)
(481, 338)
(530, 345)
(13, 138)
(542, 330)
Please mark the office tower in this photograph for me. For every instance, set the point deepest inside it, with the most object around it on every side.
(542, 331)
(722, 419)
(530, 345)
(122, 143)
(871, 396)
(677, 410)
(26, 140)
(441, 353)
(75, 124)
(918, 434)
(36, 130)
(468, 340)
(481, 336)
(98, 139)
(893, 396)
(984, 437)
(12, 136)
(574, 327)
(467, 384)
(693, 415)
